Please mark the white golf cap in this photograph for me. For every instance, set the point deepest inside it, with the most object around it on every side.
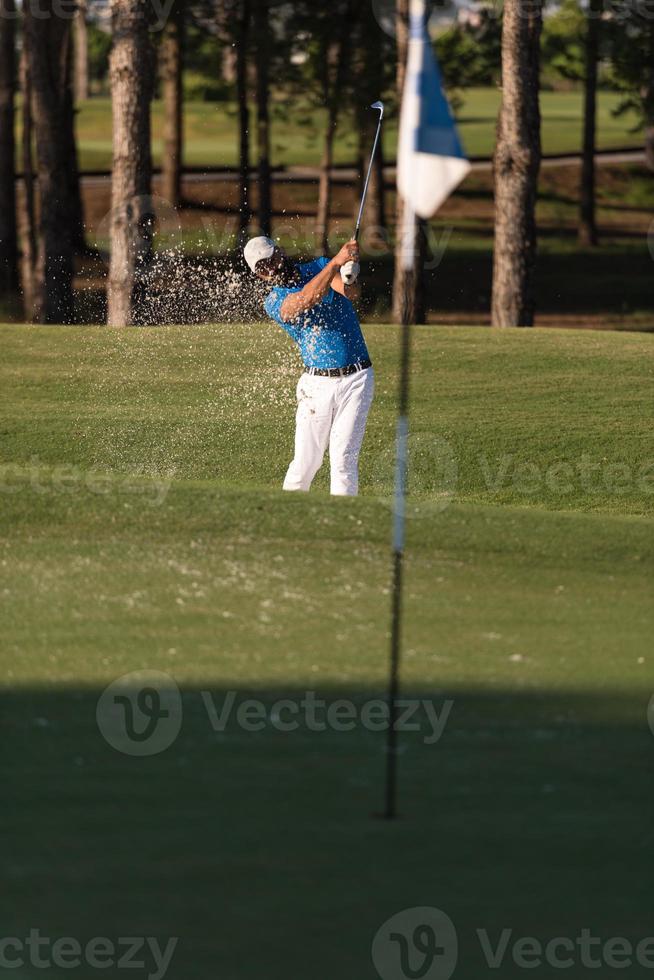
(258, 249)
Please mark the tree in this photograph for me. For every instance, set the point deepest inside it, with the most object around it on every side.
(28, 223)
(318, 58)
(131, 72)
(8, 236)
(99, 51)
(332, 57)
(81, 85)
(563, 45)
(48, 38)
(408, 285)
(587, 222)
(570, 50)
(632, 57)
(371, 60)
(263, 43)
(234, 22)
(469, 51)
(172, 66)
(242, 43)
(77, 227)
(516, 166)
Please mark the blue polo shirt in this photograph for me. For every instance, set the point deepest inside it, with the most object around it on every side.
(329, 334)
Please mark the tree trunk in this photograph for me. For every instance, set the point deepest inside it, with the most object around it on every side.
(243, 119)
(649, 144)
(131, 69)
(48, 39)
(325, 183)
(172, 65)
(77, 227)
(587, 224)
(229, 64)
(8, 236)
(28, 213)
(370, 87)
(649, 103)
(408, 285)
(516, 166)
(262, 32)
(81, 84)
(337, 58)
(409, 300)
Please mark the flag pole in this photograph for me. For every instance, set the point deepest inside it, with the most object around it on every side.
(399, 510)
(430, 164)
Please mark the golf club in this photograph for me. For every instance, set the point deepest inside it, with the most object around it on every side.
(350, 271)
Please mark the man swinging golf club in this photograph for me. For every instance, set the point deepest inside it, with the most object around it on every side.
(313, 303)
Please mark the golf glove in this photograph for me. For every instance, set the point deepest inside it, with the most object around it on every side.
(350, 273)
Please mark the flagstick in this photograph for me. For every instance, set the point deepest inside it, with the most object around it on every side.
(401, 466)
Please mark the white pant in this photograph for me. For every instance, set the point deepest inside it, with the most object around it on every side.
(331, 412)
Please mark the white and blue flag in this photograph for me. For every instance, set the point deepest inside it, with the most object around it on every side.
(431, 161)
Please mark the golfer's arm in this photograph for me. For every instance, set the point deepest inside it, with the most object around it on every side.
(312, 294)
(353, 292)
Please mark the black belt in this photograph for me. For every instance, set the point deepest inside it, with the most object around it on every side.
(339, 372)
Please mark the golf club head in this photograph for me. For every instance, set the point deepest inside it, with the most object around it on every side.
(380, 108)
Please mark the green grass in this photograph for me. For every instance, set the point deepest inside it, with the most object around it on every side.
(211, 130)
(561, 121)
(528, 604)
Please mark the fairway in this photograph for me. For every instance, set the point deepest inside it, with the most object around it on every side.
(211, 128)
(143, 528)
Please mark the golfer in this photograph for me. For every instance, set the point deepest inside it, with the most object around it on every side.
(334, 395)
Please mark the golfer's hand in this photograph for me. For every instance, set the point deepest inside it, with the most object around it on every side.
(349, 253)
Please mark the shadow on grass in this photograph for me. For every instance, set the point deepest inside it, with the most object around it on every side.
(260, 851)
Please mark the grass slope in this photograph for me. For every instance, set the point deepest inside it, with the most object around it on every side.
(529, 605)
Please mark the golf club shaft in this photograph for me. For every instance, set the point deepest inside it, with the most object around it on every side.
(365, 186)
